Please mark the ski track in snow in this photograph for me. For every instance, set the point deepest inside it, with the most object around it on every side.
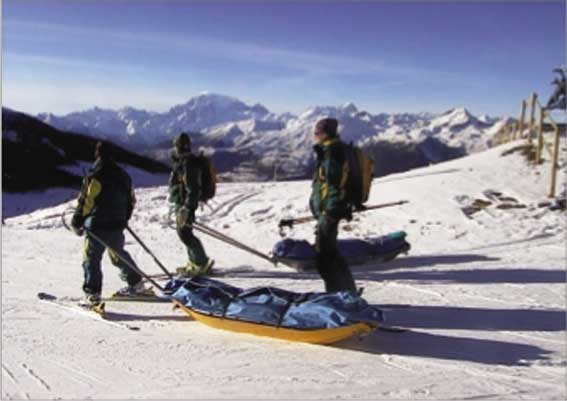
(34, 375)
(478, 296)
(8, 373)
(232, 204)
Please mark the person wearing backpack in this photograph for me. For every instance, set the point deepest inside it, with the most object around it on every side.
(105, 205)
(185, 191)
(329, 204)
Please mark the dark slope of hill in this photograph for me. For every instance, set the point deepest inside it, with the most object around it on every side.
(396, 157)
(36, 156)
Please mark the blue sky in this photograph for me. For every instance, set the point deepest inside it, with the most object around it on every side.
(61, 55)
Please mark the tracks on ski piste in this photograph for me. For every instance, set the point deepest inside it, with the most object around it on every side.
(72, 306)
(231, 203)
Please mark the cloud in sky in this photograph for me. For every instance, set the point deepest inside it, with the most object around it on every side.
(310, 63)
(66, 97)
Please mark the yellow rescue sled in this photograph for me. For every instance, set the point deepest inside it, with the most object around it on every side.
(315, 336)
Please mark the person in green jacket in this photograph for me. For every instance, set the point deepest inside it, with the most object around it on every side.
(105, 204)
(184, 193)
(328, 205)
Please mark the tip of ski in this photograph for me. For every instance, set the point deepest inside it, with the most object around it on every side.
(96, 312)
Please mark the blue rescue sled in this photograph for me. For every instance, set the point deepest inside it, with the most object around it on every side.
(300, 254)
(317, 318)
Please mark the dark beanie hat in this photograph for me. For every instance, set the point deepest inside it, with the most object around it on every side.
(328, 126)
(182, 142)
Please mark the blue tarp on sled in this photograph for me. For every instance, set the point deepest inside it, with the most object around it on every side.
(300, 254)
(273, 306)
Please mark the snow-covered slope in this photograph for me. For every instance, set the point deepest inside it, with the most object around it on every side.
(484, 298)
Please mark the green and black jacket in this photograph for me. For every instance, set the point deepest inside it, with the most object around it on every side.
(328, 193)
(185, 182)
(106, 200)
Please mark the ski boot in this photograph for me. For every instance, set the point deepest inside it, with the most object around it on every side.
(135, 291)
(92, 302)
(192, 269)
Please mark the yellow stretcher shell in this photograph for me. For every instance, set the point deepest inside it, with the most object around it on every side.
(317, 336)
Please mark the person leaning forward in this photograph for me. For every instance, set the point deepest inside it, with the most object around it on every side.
(184, 193)
(328, 205)
(105, 205)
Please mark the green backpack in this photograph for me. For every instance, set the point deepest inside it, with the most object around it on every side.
(360, 175)
(208, 178)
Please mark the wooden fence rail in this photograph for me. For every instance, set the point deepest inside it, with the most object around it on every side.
(517, 130)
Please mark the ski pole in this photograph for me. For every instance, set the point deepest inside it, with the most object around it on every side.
(222, 237)
(97, 238)
(300, 220)
(149, 252)
(228, 240)
(123, 259)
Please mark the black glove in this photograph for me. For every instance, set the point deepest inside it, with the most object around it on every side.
(77, 225)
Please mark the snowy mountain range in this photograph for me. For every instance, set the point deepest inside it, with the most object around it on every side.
(281, 143)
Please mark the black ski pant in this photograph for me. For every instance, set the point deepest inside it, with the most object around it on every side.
(330, 264)
(195, 249)
(92, 257)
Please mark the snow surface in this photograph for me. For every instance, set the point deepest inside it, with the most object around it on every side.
(484, 299)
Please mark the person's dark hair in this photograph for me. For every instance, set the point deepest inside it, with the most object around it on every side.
(103, 151)
(328, 126)
(182, 143)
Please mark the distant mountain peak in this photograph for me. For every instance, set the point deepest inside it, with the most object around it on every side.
(458, 111)
(456, 116)
(349, 107)
(215, 97)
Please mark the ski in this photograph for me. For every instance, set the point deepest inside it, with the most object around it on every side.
(136, 298)
(113, 298)
(96, 313)
(392, 329)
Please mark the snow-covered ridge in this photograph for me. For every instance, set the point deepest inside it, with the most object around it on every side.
(215, 114)
(273, 141)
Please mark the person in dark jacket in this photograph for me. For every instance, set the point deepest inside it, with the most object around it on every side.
(105, 205)
(185, 192)
(328, 205)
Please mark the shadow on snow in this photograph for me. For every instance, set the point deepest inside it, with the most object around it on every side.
(427, 345)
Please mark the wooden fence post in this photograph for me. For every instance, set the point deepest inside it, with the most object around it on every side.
(522, 117)
(532, 118)
(554, 162)
(540, 135)
(499, 136)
